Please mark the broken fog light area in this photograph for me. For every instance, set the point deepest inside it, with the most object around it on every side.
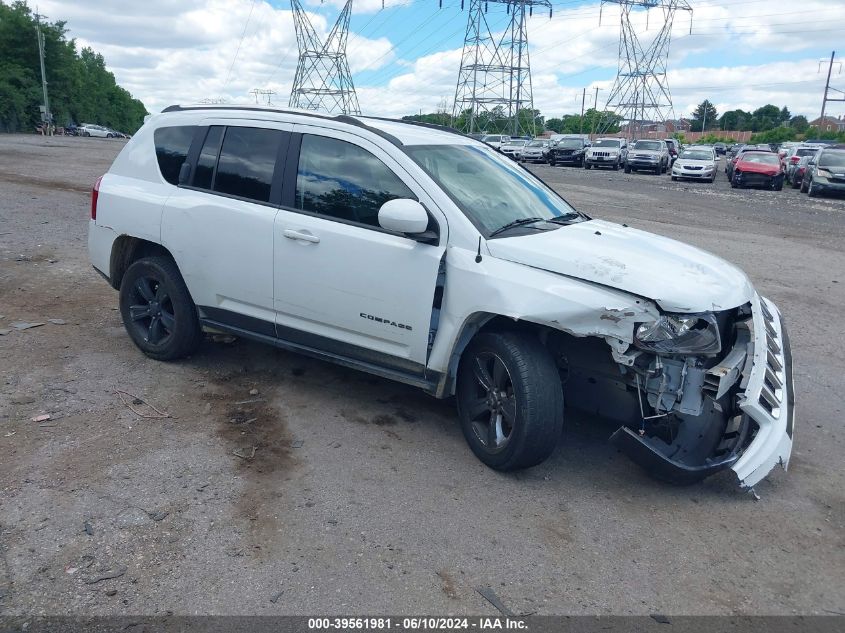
(680, 334)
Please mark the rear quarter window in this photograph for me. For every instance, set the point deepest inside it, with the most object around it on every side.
(172, 144)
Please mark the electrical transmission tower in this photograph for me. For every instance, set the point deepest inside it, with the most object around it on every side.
(640, 93)
(494, 81)
(322, 80)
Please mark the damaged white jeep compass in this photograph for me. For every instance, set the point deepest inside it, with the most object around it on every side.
(424, 256)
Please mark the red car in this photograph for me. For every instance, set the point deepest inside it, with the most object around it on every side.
(758, 169)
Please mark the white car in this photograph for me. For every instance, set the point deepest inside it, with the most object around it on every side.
(695, 163)
(513, 148)
(89, 129)
(606, 152)
(424, 256)
(496, 140)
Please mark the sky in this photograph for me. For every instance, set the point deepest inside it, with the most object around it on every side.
(405, 57)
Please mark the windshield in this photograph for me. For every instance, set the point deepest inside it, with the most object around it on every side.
(492, 138)
(696, 154)
(570, 142)
(833, 158)
(489, 188)
(654, 146)
(759, 157)
(537, 143)
(606, 143)
(516, 143)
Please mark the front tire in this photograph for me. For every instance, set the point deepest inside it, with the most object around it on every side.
(510, 400)
(157, 309)
(812, 190)
(587, 166)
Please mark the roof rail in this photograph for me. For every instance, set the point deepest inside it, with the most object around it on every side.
(340, 118)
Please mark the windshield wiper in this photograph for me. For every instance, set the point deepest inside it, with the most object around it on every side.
(566, 218)
(515, 223)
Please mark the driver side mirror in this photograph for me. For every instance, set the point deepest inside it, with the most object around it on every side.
(404, 215)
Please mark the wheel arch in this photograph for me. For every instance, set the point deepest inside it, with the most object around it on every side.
(128, 249)
(479, 323)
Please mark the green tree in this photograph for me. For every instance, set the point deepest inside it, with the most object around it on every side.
(766, 118)
(735, 120)
(799, 123)
(704, 117)
(81, 89)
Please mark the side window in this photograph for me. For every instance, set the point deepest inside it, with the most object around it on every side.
(172, 144)
(207, 160)
(344, 181)
(247, 161)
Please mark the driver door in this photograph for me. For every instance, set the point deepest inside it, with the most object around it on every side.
(343, 284)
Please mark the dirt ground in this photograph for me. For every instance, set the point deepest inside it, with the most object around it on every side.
(330, 491)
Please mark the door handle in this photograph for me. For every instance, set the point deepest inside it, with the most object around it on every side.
(300, 235)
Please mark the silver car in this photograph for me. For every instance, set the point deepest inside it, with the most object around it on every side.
(695, 163)
(535, 152)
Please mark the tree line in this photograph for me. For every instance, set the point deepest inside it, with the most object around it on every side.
(80, 88)
(769, 123)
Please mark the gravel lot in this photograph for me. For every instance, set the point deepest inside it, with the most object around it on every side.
(362, 496)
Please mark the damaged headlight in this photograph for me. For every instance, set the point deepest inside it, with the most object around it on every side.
(680, 334)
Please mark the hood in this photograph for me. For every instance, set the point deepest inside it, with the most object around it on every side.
(645, 152)
(758, 168)
(679, 277)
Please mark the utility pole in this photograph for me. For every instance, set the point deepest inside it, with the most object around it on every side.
(595, 114)
(827, 87)
(704, 118)
(581, 125)
(47, 116)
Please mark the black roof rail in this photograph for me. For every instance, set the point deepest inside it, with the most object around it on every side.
(340, 118)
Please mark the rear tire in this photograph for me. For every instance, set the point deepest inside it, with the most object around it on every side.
(587, 166)
(158, 312)
(627, 169)
(510, 400)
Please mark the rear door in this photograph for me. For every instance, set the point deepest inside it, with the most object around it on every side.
(353, 288)
(218, 224)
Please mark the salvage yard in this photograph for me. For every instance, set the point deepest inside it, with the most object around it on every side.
(248, 480)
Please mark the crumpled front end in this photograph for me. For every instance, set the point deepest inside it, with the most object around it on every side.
(700, 417)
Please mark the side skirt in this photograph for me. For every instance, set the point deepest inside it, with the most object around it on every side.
(428, 383)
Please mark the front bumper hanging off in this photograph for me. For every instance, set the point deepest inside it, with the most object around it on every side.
(752, 442)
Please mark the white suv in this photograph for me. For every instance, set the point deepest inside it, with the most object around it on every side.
(425, 256)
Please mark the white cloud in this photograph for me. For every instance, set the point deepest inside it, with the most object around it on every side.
(170, 51)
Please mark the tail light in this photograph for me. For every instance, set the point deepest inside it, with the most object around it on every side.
(794, 159)
(95, 193)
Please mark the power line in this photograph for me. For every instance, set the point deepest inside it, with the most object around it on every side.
(238, 49)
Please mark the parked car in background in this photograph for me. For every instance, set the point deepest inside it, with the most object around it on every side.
(674, 146)
(89, 129)
(695, 163)
(825, 173)
(793, 157)
(648, 155)
(607, 152)
(495, 140)
(758, 169)
(568, 151)
(720, 149)
(795, 176)
(731, 162)
(536, 151)
(513, 148)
